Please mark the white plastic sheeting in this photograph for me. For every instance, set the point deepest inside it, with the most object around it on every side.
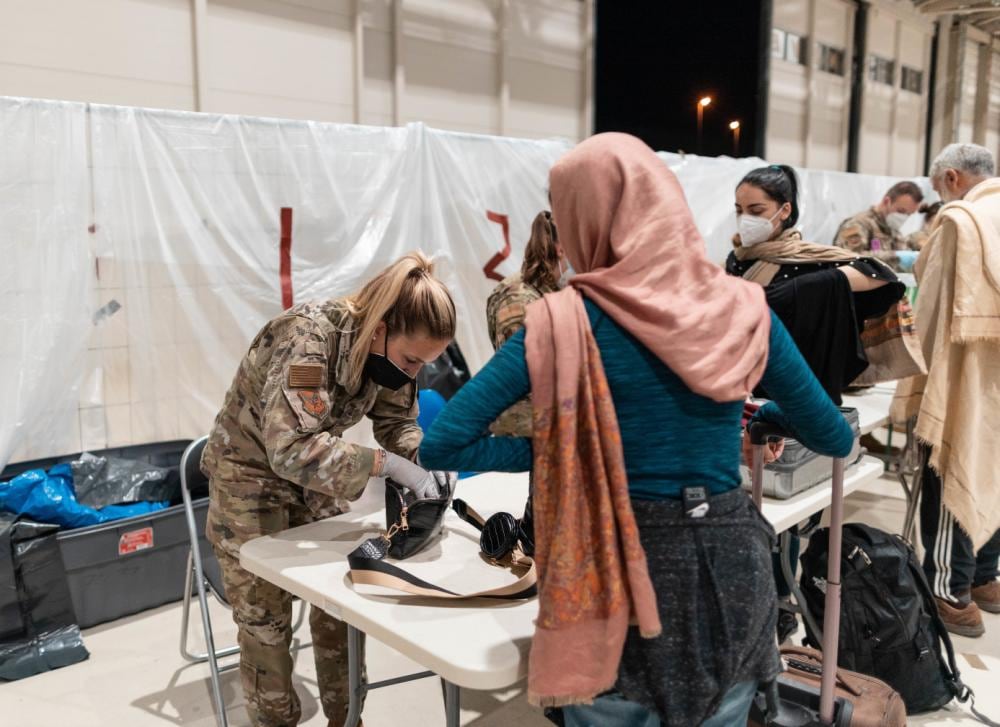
(44, 311)
(183, 266)
(188, 205)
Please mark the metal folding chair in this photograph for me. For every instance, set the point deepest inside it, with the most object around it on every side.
(207, 578)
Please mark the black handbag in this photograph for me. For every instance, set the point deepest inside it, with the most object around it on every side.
(412, 524)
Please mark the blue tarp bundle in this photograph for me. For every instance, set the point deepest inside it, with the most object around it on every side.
(49, 497)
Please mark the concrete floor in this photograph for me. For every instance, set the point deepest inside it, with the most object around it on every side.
(135, 676)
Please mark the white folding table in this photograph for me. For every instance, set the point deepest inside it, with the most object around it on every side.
(474, 645)
(872, 405)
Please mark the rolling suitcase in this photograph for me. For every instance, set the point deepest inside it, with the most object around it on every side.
(787, 702)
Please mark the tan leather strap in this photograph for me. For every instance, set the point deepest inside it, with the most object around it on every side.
(373, 572)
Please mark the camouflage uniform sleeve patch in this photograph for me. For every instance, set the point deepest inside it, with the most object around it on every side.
(313, 403)
(308, 408)
(305, 376)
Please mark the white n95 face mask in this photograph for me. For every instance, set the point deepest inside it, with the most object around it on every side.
(754, 230)
(896, 220)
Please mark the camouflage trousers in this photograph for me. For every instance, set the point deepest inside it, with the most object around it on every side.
(239, 512)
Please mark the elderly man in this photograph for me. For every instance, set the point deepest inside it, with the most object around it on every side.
(958, 402)
(875, 232)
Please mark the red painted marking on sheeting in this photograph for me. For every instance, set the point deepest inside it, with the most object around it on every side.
(286, 257)
(490, 268)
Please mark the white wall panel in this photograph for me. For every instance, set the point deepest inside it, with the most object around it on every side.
(109, 51)
(807, 107)
(268, 58)
(993, 113)
(295, 59)
(969, 86)
(893, 120)
(792, 16)
(786, 116)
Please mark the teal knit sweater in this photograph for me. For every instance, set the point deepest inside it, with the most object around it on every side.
(672, 438)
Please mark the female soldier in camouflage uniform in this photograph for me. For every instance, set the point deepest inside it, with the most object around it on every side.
(544, 270)
(275, 458)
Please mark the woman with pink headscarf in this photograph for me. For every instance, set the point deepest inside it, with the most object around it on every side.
(656, 600)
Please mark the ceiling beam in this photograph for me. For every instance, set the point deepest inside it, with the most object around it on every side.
(955, 6)
(980, 17)
(990, 26)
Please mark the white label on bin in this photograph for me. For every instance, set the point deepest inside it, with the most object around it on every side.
(135, 540)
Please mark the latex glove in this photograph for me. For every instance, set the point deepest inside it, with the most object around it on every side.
(907, 258)
(422, 483)
(446, 481)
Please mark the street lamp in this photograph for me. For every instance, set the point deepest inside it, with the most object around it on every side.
(735, 126)
(702, 103)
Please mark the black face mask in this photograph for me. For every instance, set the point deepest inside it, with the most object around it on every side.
(384, 372)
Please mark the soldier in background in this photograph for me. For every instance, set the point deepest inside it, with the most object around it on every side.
(275, 458)
(875, 232)
(544, 270)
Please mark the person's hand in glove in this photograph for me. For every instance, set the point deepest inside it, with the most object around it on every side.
(422, 483)
(906, 259)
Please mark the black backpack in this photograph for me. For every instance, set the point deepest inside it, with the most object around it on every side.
(890, 628)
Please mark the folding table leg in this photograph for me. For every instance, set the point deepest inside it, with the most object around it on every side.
(451, 704)
(913, 502)
(355, 668)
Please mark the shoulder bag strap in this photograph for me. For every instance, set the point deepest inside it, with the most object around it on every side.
(368, 568)
(962, 692)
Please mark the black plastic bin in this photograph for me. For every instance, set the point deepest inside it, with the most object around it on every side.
(127, 566)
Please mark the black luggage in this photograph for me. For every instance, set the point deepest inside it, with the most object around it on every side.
(38, 627)
(891, 629)
(891, 626)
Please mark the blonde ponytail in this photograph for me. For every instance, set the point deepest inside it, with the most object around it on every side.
(408, 297)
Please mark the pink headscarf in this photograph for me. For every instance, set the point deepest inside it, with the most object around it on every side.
(623, 223)
(626, 229)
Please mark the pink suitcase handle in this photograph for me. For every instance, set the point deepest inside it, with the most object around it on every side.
(760, 434)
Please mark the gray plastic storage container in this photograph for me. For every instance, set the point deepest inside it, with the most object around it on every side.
(127, 566)
(800, 468)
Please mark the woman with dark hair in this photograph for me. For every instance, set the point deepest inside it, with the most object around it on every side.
(823, 294)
